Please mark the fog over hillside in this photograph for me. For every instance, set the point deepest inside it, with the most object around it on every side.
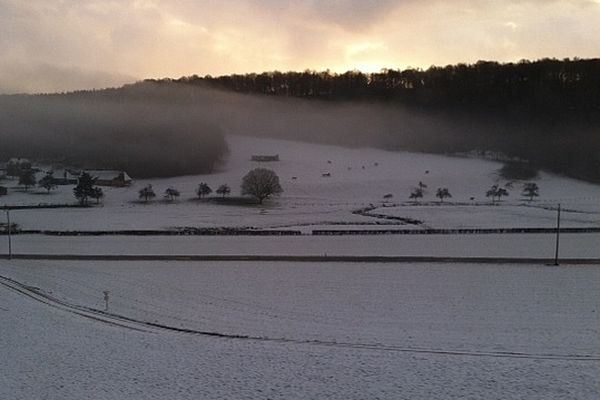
(165, 129)
(141, 137)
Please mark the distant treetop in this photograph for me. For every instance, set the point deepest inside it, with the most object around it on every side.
(571, 85)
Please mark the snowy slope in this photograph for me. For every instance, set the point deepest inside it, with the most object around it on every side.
(391, 332)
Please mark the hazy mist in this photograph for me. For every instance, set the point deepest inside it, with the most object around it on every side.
(166, 129)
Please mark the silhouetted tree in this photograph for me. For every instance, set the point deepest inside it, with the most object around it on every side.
(261, 183)
(48, 182)
(223, 190)
(496, 192)
(531, 190)
(27, 178)
(171, 193)
(443, 193)
(97, 194)
(147, 193)
(203, 190)
(416, 194)
(84, 188)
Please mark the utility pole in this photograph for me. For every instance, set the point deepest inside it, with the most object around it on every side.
(557, 236)
(8, 231)
(106, 298)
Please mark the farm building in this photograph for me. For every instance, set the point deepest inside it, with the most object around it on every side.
(65, 177)
(265, 158)
(110, 178)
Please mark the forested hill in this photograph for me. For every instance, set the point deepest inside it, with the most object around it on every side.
(546, 111)
(566, 87)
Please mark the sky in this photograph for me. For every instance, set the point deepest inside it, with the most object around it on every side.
(60, 45)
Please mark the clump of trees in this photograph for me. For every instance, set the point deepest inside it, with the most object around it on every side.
(86, 189)
(14, 167)
(518, 171)
(496, 192)
(261, 183)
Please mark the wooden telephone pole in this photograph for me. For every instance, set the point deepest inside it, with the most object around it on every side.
(557, 236)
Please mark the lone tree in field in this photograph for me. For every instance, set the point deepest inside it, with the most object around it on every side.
(84, 189)
(422, 186)
(223, 190)
(203, 190)
(261, 183)
(27, 178)
(496, 192)
(416, 194)
(147, 193)
(171, 193)
(443, 193)
(48, 182)
(97, 194)
(531, 190)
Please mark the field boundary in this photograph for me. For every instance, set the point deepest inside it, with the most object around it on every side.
(458, 231)
(290, 232)
(302, 258)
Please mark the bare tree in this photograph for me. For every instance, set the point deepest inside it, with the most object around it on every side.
(97, 193)
(416, 194)
(171, 193)
(531, 190)
(496, 192)
(203, 190)
(147, 193)
(48, 182)
(223, 190)
(261, 183)
(27, 178)
(84, 188)
(443, 193)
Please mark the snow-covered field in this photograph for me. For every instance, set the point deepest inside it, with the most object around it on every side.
(306, 330)
(359, 178)
(335, 331)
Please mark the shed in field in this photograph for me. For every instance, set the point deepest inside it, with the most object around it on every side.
(265, 158)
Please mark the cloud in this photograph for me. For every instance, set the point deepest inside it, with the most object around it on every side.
(151, 38)
(46, 78)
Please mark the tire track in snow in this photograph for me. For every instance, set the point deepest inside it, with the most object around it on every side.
(36, 295)
(153, 327)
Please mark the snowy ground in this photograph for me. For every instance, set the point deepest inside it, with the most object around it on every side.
(349, 331)
(359, 178)
(326, 331)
